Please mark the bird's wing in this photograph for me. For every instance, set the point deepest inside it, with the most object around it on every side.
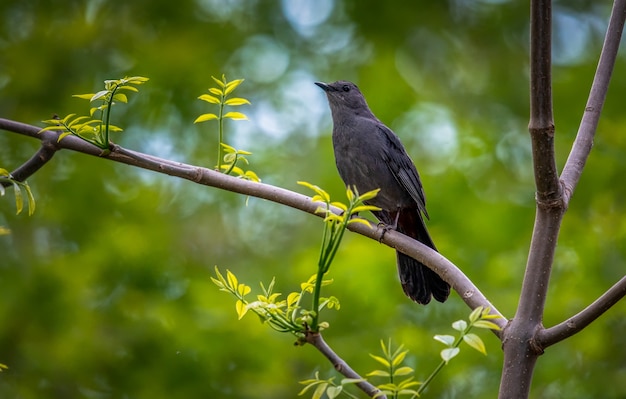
(402, 167)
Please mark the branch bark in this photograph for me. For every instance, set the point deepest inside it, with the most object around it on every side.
(340, 365)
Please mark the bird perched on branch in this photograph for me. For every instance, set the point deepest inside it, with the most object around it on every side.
(369, 156)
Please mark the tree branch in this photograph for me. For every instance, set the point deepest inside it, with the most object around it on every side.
(589, 123)
(446, 269)
(576, 323)
(340, 365)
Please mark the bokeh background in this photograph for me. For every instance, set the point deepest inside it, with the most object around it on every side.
(105, 291)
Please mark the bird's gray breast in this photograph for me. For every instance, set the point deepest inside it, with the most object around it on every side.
(362, 162)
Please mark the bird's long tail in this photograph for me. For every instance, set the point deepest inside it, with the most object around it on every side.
(418, 281)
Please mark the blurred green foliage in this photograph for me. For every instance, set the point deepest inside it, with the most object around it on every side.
(106, 290)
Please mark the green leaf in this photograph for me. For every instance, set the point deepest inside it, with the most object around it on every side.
(333, 392)
(475, 342)
(19, 201)
(219, 82)
(475, 315)
(232, 280)
(447, 340)
(215, 91)
(209, 98)
(379, 373)
(360, 220)
(319, 390)
(232, 85)
(449, 353)
(98, 95)
(237, 116)
(399, 358)
(235, 101)
(130, 88)
(205, 117)
(241, 309)
(459, 325)
(381, 360)
(88, 96)
(121, 97)
(486, 324)
(402, 371)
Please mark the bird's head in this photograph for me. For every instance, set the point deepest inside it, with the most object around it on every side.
(344, 95)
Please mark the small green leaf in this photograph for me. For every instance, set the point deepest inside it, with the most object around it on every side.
(475, 342)
(333, 392)
(232, 85)
(486, 324)
(130, 88)
(241, 309)
(205, 117)
(360, 220)
(236, 101)
(399, 358)
(209, 98)
(445, 339)
(475, 315)
(402, 371)
(121, 97)
(319, 390)
(232, 279)
(219, 82)
(381, 360)
(237, 116)
(459, 325)
(88, 96)
(449, 353)
(215, 91)
(98, 95)
(379, 373)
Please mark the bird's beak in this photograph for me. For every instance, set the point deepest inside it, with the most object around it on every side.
(324, 86)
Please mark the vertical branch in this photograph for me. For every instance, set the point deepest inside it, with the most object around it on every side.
(584, 138)
(520, 351)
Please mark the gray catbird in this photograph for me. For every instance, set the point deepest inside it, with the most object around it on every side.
(369, 156)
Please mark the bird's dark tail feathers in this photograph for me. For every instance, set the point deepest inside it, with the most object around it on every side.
(418, 281)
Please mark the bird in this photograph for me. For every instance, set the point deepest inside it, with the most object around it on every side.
(369, 155)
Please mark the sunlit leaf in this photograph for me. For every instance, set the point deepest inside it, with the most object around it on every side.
(399, 358)
(205, 117)
(241, 309)
(121, 97)
(379, 373)
(219, 82)
(475, 315)
(333, 392)
(237, 116)
(87, 96)
(403, 371)
(486, 324)
(445, 339)
(232, 85)
(381, 360)
(99, 95)
(475, 342)
(459, 325)
(215, 91)
(232, 280)
(236, 101)
(449, 353)
(209, 98)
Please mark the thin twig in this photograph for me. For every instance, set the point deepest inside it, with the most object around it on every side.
(340, 365)
(589, 123)
(576, 323)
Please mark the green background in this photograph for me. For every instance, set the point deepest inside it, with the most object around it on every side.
(105, 291)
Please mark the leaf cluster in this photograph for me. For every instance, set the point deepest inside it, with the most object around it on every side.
(283, 315)
(18, 186)
(96, 130)
(219, 95)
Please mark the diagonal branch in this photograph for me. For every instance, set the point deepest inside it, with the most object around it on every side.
(340, 365)
(469, 293)
(589, 123)
(576, 323)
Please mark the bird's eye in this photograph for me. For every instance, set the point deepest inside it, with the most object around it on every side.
(346, 88)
